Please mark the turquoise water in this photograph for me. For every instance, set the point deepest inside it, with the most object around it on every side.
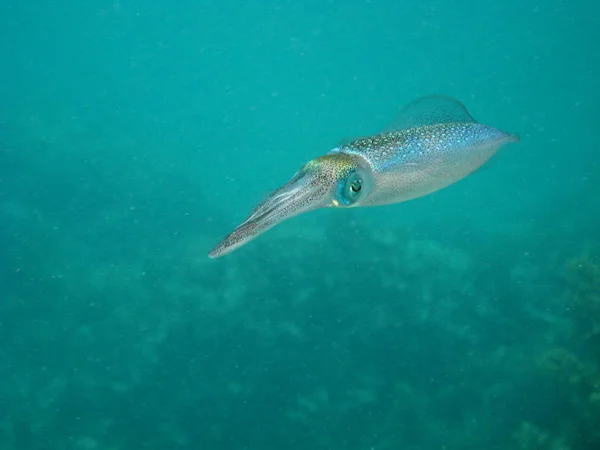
(135, 135)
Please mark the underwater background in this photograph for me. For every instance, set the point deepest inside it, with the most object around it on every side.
(135, 134)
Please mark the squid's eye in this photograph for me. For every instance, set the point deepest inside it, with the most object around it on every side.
(351, 188)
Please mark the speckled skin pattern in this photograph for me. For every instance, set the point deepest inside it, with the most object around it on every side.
(411, 163)
(433, 143)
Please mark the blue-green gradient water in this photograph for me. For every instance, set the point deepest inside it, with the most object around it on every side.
(135, 134)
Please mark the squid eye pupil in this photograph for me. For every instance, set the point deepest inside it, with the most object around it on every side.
(356, 186)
